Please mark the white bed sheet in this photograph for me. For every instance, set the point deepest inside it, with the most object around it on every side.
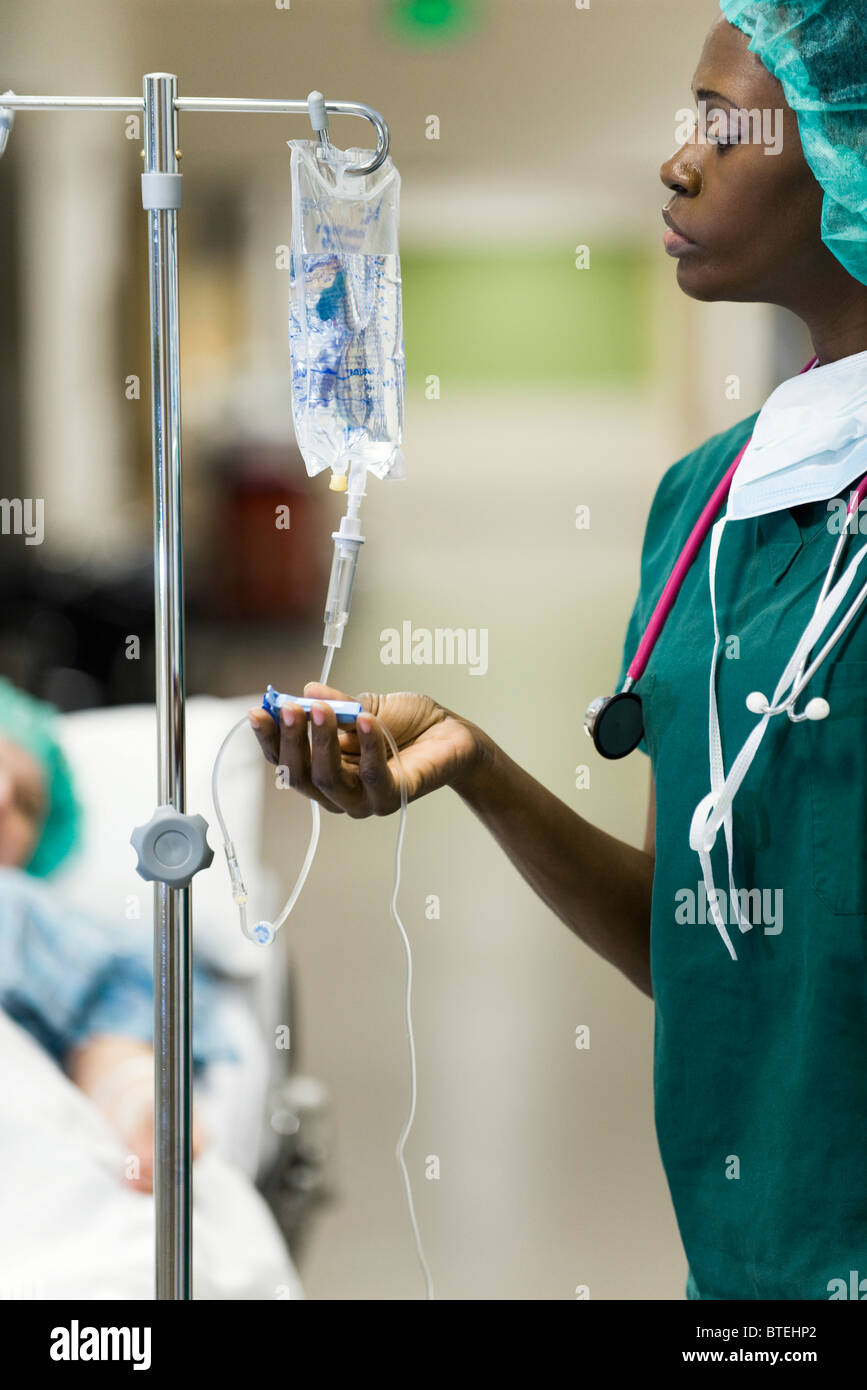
(70, 1227)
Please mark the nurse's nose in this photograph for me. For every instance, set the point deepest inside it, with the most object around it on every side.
(681, 173)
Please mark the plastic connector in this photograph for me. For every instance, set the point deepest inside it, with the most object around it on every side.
(347, 543)
(317, 111)
(239, 888)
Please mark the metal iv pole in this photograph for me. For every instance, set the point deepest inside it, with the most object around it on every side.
(172, 846)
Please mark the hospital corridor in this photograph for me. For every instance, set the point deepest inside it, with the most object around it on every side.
(342, 347)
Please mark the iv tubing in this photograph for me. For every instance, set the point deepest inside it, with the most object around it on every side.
(293, 898)
(429, 1292)
(239, 893)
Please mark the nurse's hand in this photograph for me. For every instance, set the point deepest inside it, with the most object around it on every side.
(350, 769)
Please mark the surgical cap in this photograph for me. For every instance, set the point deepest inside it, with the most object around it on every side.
(28, 723)
(817, 49)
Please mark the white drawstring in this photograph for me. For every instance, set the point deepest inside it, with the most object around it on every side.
(717, 766)
(715, 808)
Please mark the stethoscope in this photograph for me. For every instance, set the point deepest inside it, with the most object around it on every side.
(616, 722)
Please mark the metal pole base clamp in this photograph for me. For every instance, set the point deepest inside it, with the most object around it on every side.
(171, 847)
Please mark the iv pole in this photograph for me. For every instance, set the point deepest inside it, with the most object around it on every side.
(172, 846)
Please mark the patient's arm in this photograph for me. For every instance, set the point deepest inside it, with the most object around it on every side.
(118, 1075)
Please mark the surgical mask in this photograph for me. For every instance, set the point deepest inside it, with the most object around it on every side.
(809, 442)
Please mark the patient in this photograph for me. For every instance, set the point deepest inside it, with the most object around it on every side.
(76, 996)
(66, 978)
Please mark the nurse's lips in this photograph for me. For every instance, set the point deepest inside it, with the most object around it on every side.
(675, 241)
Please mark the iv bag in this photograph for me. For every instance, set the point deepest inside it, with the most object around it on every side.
(345, 318)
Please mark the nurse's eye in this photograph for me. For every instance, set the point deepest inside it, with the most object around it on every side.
(721, 130)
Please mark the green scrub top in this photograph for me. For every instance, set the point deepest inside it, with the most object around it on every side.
(760, 1064)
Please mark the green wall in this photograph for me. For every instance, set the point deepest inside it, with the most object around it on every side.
(510, 317)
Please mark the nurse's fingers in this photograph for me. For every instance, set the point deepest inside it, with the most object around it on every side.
(373, 769)
(326, 771)
(265, 729)
(346, 736)
(292, 755)
(268, 735)
(315, 691)
(266, 732)
(295, 757)
(348, 740)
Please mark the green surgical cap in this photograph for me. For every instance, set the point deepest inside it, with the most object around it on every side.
(28, 723)
(817, 49)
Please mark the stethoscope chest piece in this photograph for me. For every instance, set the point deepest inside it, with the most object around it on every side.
(615, 723)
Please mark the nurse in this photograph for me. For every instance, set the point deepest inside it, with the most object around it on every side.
(760, 1054)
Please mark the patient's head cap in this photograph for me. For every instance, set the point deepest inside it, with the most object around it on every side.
(28, 723)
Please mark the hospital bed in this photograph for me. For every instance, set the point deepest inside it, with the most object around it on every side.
(261, 1116)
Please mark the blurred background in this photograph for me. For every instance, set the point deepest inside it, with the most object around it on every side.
(533, 388)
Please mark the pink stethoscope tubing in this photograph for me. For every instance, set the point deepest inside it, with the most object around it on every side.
(666, 601)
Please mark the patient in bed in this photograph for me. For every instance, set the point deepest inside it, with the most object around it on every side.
(84, 995)
(67, 978)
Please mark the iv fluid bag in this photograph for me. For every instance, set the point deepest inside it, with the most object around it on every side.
(345, 319)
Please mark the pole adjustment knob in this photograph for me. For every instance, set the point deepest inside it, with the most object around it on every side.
(171, 847)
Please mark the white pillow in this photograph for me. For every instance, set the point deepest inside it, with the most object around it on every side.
(112, 753)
